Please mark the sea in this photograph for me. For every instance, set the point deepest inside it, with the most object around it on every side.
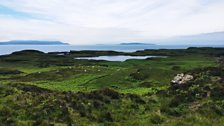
(8, 49)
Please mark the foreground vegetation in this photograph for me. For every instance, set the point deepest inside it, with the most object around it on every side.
(53, 89)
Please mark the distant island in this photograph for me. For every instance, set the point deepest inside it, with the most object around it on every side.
(136, 43)
(32, 42)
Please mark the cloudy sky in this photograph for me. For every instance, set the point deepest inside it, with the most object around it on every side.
(108, 21)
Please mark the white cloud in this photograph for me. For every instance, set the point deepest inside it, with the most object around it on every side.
(108, 21)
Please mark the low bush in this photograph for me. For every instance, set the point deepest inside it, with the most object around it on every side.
(176, 68)
(136, 98)
(157, 119)
(146, 84)
(5, 71)
(140, 74)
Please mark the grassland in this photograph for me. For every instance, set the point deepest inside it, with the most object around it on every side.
(50, 89)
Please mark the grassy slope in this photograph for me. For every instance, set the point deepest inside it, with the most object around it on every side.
(141, 78)
(115, 75)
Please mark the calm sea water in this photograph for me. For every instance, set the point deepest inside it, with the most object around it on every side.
(8, 49)
(118, 58)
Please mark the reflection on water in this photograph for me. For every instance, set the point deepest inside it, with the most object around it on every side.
(118, 58)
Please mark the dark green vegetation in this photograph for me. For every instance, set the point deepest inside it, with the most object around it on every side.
(50, 89)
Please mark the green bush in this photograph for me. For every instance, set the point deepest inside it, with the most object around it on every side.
(106, 116)
(146, 84)
(176, 68)
(140, 74)
(157, 119)
(7, 71)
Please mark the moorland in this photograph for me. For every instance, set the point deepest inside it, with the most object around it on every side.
(54, 88)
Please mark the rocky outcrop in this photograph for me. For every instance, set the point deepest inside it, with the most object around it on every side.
(182, 79)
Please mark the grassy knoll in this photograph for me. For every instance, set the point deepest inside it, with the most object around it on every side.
(46, 89)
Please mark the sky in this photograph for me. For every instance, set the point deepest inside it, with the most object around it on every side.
(82, 22)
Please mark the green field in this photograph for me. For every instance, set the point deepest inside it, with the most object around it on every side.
(47, 89)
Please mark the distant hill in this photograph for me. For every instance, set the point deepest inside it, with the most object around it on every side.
(136, 43)
(32, 42)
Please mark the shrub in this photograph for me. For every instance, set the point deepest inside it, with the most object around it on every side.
(176, 68)
(97, 104)
(6, 71)
(221, 63)
(106, 116)
(174, 111)
(218, 110)
(136, 98)
(111, 93)
(150, 83)
(140, 74)
(176, 101)
(157, 119)
(218, 93)
(146, 84)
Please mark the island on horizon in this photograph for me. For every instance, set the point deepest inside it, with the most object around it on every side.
(136, 43)
(32, 42)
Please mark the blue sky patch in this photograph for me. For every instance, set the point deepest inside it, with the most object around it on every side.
(14, 13)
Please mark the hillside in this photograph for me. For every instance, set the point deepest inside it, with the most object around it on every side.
(32, 42)
(136, 43)
(184, 89)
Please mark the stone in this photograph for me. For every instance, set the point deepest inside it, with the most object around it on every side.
(182, 79)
